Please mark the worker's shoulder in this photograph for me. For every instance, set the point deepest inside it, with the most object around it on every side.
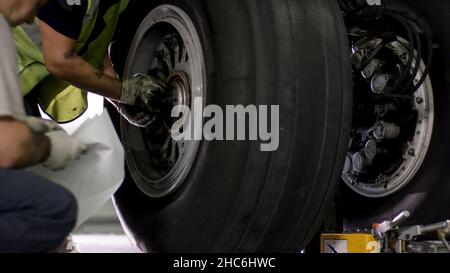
(7, 42)
(71, 5)
(3, 23)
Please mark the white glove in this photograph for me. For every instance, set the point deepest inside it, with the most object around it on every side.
(40, 126)
(63, 150)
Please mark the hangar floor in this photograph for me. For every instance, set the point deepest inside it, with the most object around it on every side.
(102, 234)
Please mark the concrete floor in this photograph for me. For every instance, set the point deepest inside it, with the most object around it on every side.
(102, 234)
(102, 243)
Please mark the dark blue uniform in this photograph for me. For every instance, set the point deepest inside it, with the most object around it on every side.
(35, 214)
(66, 17)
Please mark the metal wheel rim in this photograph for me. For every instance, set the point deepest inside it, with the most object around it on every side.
(194, 67)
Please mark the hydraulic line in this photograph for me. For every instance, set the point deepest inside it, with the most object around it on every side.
(416, 32)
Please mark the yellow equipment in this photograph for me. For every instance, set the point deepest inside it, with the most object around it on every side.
(349, 243)
(389, 237)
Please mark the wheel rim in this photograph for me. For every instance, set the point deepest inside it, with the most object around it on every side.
(167, 46)
(359, 173)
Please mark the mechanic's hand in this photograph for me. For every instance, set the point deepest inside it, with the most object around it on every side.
(135, 115)
(40, 126)
(147, 92)
(63, 150)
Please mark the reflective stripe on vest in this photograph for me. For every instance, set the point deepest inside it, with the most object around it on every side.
(59, 100)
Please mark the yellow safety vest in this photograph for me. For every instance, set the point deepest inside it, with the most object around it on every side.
(61, 101)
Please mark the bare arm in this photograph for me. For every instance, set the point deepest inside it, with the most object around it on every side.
(61, 61)
(20, 147)
(108, 68)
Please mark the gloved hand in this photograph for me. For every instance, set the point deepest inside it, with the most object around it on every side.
(135, 115)
(63, 150)
(147, 92)
(40, 126)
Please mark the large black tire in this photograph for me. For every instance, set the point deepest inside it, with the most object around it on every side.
(290, 53)
(427, 195)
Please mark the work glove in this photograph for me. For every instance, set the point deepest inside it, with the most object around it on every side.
(63, 150)
(135, 115)
(40, 126)
(151, 94)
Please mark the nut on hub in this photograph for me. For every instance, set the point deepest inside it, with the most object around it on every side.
(180, 82)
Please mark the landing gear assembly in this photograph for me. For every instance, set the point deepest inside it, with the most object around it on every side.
(393, 100)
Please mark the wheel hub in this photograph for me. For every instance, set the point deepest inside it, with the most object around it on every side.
(180, 82)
